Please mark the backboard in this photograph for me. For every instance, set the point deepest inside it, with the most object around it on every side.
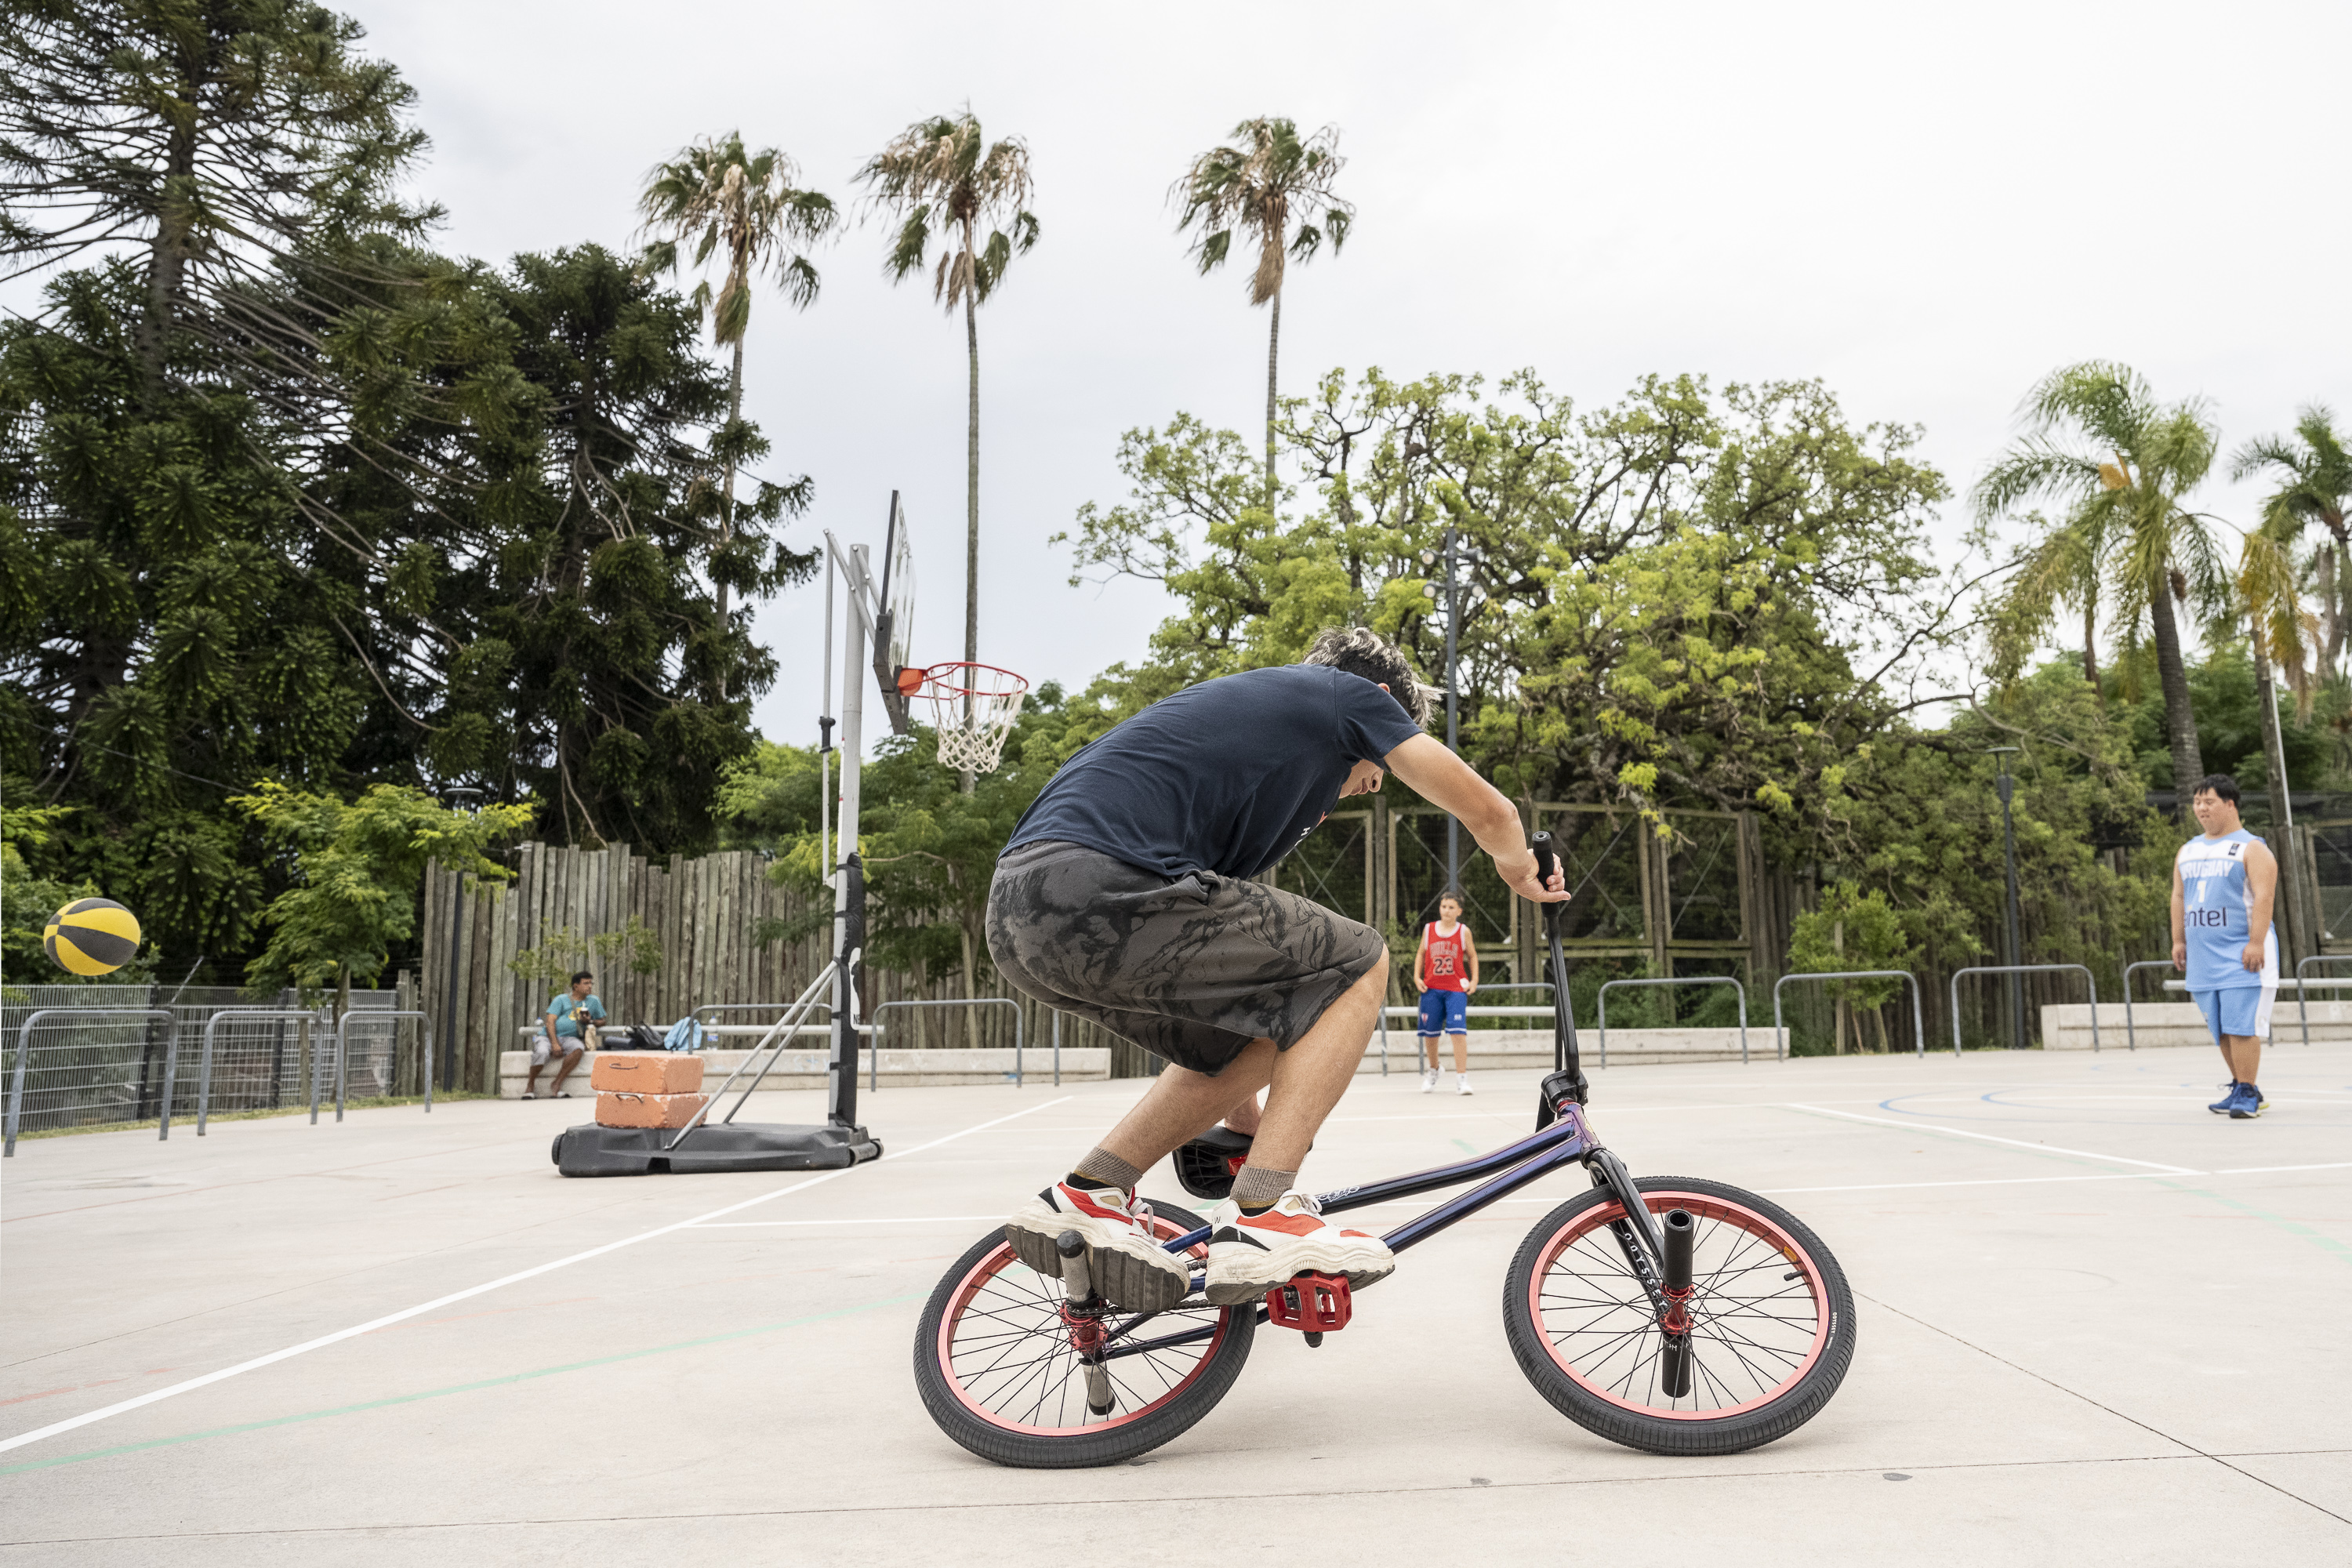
(894, 629)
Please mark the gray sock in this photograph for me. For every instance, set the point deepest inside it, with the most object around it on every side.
(1257, 1188)
(1107, 1169)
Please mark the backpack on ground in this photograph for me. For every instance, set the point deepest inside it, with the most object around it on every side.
(685, 1034)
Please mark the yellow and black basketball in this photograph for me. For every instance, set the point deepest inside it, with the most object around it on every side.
(92, 936)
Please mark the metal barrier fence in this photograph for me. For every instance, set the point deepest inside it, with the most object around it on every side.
(2302, 1013)
(1919, 1023)
(110, 1056)
(93, 1061)
(2131, 1034)
(2089, 980)
(874, 1062)
(1601, 1002)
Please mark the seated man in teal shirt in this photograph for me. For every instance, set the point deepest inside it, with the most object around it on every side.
(571, 1014)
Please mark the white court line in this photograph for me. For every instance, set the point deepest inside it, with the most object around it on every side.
(54, 1428)
(2018, 1143)
(2267, 1170)
(888, 1220)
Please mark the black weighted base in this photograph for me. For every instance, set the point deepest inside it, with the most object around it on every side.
(593, 1150)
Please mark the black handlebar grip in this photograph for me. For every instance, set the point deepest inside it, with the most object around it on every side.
(1546, 861)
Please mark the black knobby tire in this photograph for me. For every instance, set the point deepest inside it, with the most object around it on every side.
(993, 1362)
(1773, 1321)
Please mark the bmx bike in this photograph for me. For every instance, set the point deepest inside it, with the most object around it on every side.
(1666, 1313)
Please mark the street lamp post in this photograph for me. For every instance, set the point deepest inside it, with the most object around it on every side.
(1454, 558)
(461, 797)
(2006, 786)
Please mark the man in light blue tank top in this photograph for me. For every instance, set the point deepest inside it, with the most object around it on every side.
(2222, 885)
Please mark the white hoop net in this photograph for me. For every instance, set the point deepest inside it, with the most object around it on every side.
(973, 706)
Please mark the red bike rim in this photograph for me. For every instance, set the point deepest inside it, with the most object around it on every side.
(1755, 1332)
(1004, 1350)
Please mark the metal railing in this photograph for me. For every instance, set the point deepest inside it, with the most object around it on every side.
(874, 1067)
(2131, 1034)
(2302, 1012)
(2088, 978)
(385, 1016)
(24, 1057)
(1601, 1004)
(1406, 1012)
(1918, 1024)
(247, 1016)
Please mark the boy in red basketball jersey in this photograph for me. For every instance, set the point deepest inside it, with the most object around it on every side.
(1448, 968)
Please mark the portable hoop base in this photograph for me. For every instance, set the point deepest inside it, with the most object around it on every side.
(595, 1150)
(973, 707)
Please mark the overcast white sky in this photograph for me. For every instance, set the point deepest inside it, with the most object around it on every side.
(1929, 206)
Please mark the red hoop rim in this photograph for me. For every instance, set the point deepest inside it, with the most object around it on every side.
(945, 688)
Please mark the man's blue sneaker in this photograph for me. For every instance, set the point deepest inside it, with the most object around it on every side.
(2246, 1104)
(2229, 1098)
(2260, 1102)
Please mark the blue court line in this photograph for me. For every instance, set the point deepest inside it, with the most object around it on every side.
(457, 1387)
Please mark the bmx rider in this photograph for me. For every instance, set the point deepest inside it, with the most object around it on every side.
(1125, 896)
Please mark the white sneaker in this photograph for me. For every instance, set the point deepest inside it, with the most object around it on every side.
(1128, 1264)
(1428, 1081)
(1250, 1255)
(1462, 1079)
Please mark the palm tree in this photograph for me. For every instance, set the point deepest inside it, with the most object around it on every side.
(2315, 475)
(2098, 441)
(1254, 184)
(940, 176)
(750, 206)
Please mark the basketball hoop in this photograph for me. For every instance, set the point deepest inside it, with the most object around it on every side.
(973, 706)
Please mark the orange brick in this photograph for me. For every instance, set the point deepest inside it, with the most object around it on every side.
(627, 1110)
(646, 1072)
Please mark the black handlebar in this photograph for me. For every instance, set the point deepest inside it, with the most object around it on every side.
(1546, 861)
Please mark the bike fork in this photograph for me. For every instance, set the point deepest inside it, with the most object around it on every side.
(1660, 1256)
(1083, 1311)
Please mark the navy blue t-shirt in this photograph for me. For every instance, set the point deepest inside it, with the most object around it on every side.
(1225, 776)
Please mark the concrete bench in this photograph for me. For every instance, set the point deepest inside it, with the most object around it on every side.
(2066, 1027)
(1497, 1049)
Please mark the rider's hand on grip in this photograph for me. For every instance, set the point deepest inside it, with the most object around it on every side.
(1551, 877)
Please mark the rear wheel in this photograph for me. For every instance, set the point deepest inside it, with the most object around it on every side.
(999, 1369)
(1772, 1321)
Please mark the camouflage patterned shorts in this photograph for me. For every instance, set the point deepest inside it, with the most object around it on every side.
(1192, 970)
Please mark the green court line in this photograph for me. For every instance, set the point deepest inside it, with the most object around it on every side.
(457, 1388)
(2293, 1227)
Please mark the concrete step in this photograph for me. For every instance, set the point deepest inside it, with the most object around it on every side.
(2066, 1027)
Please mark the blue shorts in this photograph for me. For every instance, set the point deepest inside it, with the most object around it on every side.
(1444, 1013)
(2241, 1010)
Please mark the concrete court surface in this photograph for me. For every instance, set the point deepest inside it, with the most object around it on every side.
(2096, 1325)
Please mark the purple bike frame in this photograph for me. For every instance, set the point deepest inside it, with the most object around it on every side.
(1565, 1142)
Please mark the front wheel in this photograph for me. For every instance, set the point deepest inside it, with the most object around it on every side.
(997, 1363)
(1772, 1321)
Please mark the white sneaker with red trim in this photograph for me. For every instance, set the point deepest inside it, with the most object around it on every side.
(1250, 1255)
(1127, 1261)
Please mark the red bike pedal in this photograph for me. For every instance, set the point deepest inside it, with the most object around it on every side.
(1312, 1303)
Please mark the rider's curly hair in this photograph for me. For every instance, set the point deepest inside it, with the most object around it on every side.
(1360, 650)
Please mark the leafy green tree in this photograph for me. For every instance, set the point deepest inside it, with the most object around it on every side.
(941, 179)
(1851, 928)
(1276, 188)
(357, 869)
(2313, 472)
(229, 142)
(1685, 597)
(587, 666)
(721, 197)
(2124, 464)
